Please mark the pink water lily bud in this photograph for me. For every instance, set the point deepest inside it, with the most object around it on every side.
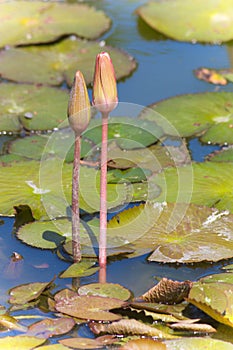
(79, 109)
(105, 88)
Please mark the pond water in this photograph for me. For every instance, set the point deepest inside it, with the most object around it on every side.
(165, 69)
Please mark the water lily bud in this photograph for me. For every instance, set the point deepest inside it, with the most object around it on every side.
(104, 89)
(79, 112)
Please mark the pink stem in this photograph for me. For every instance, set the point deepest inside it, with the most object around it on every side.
(103, 193)
(76, 245)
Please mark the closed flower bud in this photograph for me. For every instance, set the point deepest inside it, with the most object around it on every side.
(79, 112)
(104, 89)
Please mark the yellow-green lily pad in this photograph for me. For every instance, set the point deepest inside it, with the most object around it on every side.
(37, 22)
(112, 290)
(21, 342)
(197, 343)
(31, 107)
(176, 232)
(58, 63)
(190, 20)
(207, 114)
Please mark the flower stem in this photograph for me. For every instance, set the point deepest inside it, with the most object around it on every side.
(103, 192)
(76, 246)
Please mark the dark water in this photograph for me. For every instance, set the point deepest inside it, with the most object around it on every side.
(165, 68)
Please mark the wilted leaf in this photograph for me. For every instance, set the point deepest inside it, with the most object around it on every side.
(210, 76)
(81, 269)
(88, 307)
(168, 292)
(208, 21)
(193, 327)
(50, 327)
(40, 65)
(36, 22)
(112, 290)
(197, 343)
(195, 114)
(27, 292)
(125, 326)
(176, 232)
(20, 342)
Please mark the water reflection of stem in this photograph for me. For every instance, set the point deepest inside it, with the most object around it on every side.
(76, 246)
(103, 193)
(75, 283)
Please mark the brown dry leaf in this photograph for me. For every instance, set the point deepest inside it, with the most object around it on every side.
(210, 76)
(168, 292)
(193, 327)
(128, 327)
(144, 344)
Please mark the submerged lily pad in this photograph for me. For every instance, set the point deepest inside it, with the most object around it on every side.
(208, 114)
(208, 21)
(31, 107)
(57, 63)
(198, 234)
(37, 22)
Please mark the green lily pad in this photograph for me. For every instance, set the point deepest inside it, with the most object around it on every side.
(57, 63)
(27, 292)
(51, 327)
(211, 185)
(176, 232)
(46, 188)
(155, 157)
(208, 21)
(81, 269)
(31, 107)
(129, 133)
(225, 155)
(112, 290)
(59, 144)
(197, 343)
(214, 298)
(38, 22)
(21, 342)
(87, 307)
(208, 114)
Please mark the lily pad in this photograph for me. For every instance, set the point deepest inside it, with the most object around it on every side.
(129, 133)
(86, 343)
(225, 155)
(38, 22)
(208, 22)
(197, 343)
(31, 107)
(214, 298)
(112, 290)
(155, 157)
(21, 342)
(87, 307)
(27, 292)
(211, 185)
(48, 193)
(35, 146)
(208, 114)
(81, 269)
(51, 327)
(58, 63)
(199, 234)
